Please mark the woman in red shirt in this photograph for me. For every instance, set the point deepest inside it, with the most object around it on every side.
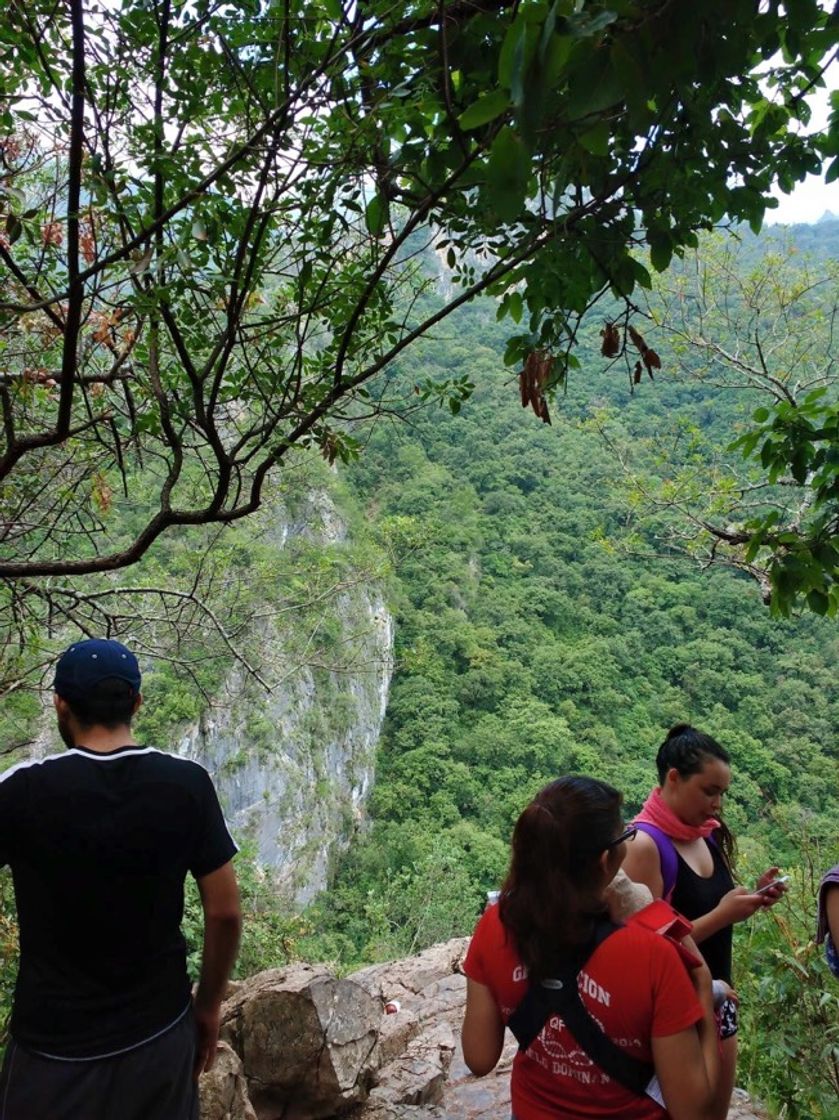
(568, 845)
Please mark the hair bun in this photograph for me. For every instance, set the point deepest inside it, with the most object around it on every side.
(678, 729)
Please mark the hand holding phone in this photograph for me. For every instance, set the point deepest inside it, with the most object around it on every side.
(775, 883)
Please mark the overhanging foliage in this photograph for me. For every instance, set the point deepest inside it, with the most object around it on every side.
(213, 214)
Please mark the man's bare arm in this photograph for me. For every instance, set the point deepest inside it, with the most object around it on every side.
(222, 927)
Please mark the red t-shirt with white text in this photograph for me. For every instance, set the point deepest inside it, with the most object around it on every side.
(634, 985)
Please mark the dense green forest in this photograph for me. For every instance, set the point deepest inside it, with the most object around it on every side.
(534, 639)
(543, 629)
(548, 620)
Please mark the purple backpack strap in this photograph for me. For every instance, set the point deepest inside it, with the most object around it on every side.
(666, 854)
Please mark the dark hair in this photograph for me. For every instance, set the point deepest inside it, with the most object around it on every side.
(688, 750)
(109, 703)
(550, 900)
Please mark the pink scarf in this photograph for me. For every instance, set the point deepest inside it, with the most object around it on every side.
(656, 811)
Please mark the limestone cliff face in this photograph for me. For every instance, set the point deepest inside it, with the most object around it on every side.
(293, 767)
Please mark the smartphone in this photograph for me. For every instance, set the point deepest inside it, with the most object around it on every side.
(774, 883)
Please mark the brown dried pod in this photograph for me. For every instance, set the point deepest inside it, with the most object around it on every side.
(611, 345)
(540, 362)
(535, 373)
(636, 377)
(651, 361)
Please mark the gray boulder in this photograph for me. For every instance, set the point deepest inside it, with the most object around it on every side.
(223, 1092)
(307, 1042)
(416, 1045)
(416, 1076)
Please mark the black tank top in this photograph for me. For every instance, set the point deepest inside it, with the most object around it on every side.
(694, 896)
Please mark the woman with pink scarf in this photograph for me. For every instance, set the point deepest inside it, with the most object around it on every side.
(684, 854)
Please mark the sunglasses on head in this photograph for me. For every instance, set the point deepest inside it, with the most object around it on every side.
(629, 834)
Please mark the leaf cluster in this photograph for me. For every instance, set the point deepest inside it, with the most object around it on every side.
(212, 215)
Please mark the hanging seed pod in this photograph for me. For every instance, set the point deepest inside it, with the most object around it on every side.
(534, 375)
(611, 345)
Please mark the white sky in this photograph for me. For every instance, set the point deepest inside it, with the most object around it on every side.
(811, 198)
(807, 202)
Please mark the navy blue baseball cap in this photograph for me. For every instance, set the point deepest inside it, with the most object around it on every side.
(85, 664)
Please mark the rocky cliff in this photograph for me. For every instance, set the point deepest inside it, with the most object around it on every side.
(293, 767)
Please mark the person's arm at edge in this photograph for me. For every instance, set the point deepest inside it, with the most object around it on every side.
(687, 1064)
(222, 927)
(831, 903)
(643, 864)
(482, 1036)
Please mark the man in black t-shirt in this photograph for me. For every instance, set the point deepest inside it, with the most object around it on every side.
(100, 839)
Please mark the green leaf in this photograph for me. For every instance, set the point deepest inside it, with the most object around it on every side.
(597, 139)
(16, 195)
(508, 173)
(799, 464)
(516, 306)
(376, 214)
(588, 26)
(511, 50)
(628, 69)
(642, 276)
(548, 28)
(817, 601)
(594, 87)
(518, 346)
(485, 109)
(13, 228)
(661, 252)
(556, 57)
(518, 69)
(760, 415)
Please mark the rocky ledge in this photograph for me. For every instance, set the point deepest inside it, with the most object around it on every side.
(381, 1044)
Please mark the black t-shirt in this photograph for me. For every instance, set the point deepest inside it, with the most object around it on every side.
(99, 846)
(694, 896)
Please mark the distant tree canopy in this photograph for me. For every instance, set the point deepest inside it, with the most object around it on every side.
(214, 218)
(754, 318)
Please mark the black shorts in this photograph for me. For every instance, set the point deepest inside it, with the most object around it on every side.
(152, 1081)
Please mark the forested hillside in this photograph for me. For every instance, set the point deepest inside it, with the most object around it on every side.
(541, 629)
